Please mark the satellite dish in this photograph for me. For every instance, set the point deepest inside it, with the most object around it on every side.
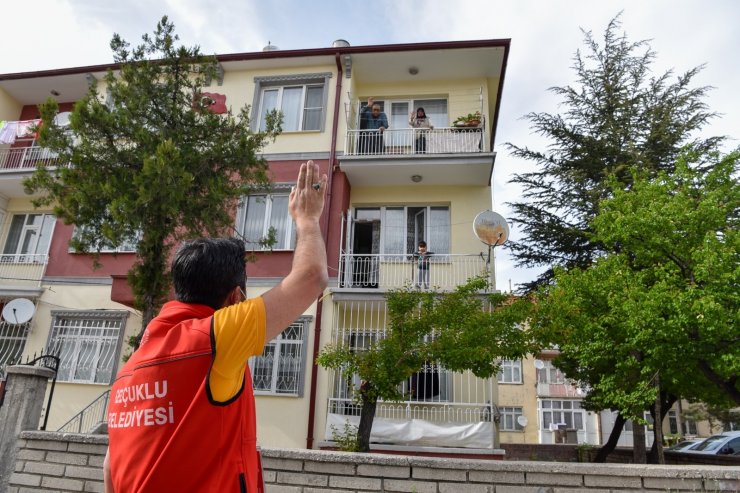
(539, 364)
(18, 311)
(522, 420)
(491, 228)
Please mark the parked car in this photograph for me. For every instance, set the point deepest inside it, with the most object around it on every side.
(726, 443)
(686, 445)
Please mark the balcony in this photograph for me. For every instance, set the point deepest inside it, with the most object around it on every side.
(437, 406)
(22, 270)
(384, 271)
(414, 141)
(445, 156)
(26, 158)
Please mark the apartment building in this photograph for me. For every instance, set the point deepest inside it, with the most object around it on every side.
(382, 200)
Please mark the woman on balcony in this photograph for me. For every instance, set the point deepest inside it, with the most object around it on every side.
(421, 121)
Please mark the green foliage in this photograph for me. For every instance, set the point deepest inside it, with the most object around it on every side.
(666, 301)
(149, 160)
(346, 439)
(616, 116)
(455, 329)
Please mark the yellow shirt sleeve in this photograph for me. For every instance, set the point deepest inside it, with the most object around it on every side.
(239, 333)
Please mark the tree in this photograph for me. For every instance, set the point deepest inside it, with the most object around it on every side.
(666, 304)
(453, 329)
(616, 116)
(148, 160)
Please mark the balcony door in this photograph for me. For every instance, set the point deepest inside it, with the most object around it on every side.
(398, 139)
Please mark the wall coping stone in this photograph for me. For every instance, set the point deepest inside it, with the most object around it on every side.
(65, 437)
(30, 370)
(586, 469)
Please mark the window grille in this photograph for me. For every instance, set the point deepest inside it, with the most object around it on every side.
(280, 368)
(88, 344)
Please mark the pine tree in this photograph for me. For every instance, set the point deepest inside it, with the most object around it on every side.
(148, 160)
(617, 115)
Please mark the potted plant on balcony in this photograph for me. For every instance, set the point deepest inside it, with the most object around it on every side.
(469, 120)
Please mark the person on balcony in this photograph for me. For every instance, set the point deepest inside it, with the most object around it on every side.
(422, 262)
(373, 123)
(420, 120)
(182, 413)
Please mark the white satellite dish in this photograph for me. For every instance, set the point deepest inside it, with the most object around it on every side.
(18, 311)
(539, 364)
(522, 420)
(491, 228)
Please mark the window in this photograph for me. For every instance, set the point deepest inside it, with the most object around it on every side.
(87, 344)
(689, 427)
(28, 238)
(510, 372)
(398, 230)
(398, 111)
(568, 413)
(550, 374)
(509, 417)
(259, 214)
(127, 246)
(279, 370)
(301, 99)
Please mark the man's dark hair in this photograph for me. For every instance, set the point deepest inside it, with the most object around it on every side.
(204, 271)
(422, 243)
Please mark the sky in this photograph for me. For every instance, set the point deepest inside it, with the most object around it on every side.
(545, 34)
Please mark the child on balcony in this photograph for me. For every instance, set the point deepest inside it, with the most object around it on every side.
(422, 259)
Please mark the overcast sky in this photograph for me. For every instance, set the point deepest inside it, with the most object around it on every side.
(544, 36)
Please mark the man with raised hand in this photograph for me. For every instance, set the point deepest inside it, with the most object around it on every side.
(182, 412)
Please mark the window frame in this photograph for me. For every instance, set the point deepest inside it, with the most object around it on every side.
(119, 249)
(383, 210)
(120, 316)
(18, 254)
(513, 364)
(281, 190)
(562, 410)
(290, 80)
(548, 370)
(512, 412)
(278, 343)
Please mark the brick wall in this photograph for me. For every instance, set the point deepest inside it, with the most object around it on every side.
(50, 461)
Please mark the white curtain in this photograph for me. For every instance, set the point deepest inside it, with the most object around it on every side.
(291, 108)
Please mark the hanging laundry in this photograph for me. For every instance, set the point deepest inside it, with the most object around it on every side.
(26, 128)
(8, 133)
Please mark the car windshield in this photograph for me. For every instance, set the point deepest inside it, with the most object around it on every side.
(710, 443)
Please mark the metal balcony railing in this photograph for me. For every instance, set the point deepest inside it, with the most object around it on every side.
(27, 158)
(22, 269)
(375, 271)
(91, 419)
(415, 141)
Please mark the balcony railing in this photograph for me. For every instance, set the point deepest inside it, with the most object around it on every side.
(22, 269)
(374, 271)
(414, 141)
(27, 158)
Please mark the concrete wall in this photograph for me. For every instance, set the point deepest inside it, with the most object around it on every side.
(52, 461)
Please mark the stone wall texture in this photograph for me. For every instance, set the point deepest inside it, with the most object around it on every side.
(48, 461)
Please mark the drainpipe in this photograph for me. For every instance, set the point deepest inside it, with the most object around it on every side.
(325, 229)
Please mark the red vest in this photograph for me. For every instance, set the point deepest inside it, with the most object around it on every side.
(165, 432)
